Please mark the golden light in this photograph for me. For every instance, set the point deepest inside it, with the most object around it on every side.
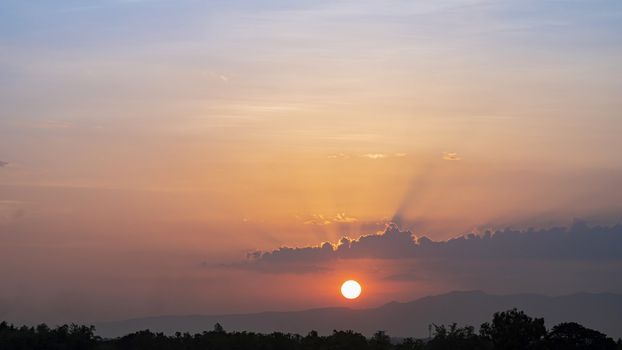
(351, 289)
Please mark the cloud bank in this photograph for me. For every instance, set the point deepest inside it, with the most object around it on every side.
(578, 242)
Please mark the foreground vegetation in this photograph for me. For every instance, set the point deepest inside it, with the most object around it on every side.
(509, 330)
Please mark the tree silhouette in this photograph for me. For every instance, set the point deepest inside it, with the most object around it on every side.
(508, 330)
(572, 335)
(218, 328)
(380, 341)
(513, 330)
(410, 344)
(454, 337)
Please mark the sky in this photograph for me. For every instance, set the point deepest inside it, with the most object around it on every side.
(185, 157)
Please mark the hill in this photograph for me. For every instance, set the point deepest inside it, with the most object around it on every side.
(410, 319)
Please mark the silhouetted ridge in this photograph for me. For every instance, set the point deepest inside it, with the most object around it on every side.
(401, 319)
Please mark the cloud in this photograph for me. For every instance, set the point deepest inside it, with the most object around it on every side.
(338, 156)
(553, 261)
(3, 164)
(320, 220)
(369, 155)
(342, 217)
(375, 155)
(218, 76)
(576, 243)
(451, 156)
(317, 219)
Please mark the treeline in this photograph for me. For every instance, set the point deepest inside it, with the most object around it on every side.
(509, 330)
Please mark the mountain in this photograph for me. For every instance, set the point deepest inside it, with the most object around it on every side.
(602, 312)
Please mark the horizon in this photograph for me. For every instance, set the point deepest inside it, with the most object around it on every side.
(349, 307)
(471, 308)
(162, 157)
(510, 329)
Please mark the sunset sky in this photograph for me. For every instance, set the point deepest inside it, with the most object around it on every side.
(166, 157)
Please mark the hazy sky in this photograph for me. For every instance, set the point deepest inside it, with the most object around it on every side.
(148, 146)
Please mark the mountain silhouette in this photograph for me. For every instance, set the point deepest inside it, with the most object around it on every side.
(601, 311)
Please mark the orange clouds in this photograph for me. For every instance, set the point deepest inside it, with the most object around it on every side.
(319, 219)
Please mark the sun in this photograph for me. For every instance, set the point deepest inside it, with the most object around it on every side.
(351, 289)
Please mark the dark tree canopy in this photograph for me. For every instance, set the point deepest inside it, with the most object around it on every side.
(514, 330)
(454, 337)
(573, 336)
(508, 330)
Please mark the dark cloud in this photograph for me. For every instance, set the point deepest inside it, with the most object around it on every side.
(3, 164)
(578, 242)
(555, 260)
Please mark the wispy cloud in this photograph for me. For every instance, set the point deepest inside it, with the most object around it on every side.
(451, 156)
(375, 155)
(3, 164)
(385, 155)
(219, 76)
(320, 219)
(339, 156)
(342, 217)
(317, 219)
